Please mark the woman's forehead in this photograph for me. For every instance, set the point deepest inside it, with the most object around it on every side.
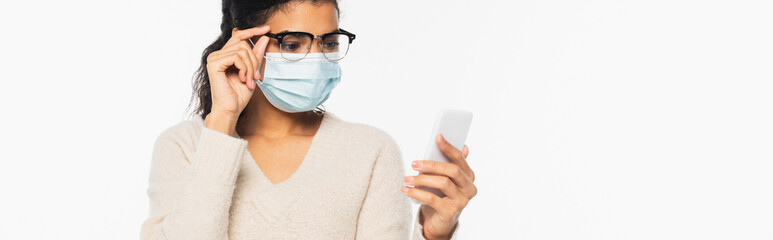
(315, 18)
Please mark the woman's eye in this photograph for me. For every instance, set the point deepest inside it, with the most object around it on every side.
(292, 47)
(330, 45)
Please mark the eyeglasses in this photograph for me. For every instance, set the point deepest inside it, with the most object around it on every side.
(294, 46)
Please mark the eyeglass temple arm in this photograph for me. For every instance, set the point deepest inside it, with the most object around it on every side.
(271, 35)
(351, 35)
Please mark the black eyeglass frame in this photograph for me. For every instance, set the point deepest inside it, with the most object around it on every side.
(281, 35)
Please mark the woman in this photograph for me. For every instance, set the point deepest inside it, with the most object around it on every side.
(269, 164)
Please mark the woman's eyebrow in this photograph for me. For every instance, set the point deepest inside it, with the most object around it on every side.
(336, 30)
(288, 30)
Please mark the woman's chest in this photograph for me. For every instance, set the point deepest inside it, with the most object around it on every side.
(279, 161)
(325, 194)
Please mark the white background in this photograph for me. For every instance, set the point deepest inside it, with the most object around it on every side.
(592, 119)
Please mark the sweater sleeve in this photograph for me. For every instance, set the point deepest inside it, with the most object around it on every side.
(190, 194)
(385, 212)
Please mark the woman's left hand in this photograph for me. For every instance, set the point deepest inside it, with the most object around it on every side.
(439, 215)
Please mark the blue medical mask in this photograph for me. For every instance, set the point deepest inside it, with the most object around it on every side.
(298, 86)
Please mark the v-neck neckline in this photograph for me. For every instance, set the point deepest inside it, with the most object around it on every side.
(300, 171)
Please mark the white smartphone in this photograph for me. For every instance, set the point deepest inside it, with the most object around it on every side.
(453, 124)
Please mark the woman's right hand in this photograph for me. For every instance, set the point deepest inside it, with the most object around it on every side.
(232, 73)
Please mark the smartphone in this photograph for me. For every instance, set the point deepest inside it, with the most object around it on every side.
(453, 124)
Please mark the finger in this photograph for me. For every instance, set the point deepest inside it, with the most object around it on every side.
(449, 170)
(426, 197)
(245, 59)
(220, 63)
(256, 74)
(251, 32)
(251, 84)
(240, 56)
(243, 48)
(245, 55)
(241, 35)
(224, 63)
(250, 60)
(260, 50)
(253, 59)
(453, 154)
(445, 184)
(247, 48)
(242, 66)
(218, 56)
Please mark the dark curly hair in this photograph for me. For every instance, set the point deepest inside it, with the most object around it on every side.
(240, 14)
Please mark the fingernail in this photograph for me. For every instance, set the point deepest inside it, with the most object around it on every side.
(408, 179)
(404, 189)
(257, 75)
(416, 164)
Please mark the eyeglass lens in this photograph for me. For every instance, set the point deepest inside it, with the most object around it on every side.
(295, 46)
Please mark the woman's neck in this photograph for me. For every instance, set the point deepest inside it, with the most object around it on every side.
(262, 119)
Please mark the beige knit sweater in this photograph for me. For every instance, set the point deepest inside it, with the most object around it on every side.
(204, 184)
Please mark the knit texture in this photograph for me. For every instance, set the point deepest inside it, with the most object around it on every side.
(204, 184)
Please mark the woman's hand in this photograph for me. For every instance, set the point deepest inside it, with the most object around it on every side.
(232, 73)
(439, 215)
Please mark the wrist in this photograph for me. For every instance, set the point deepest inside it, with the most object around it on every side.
(221, 122)
(430, 237)
(425, 233)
